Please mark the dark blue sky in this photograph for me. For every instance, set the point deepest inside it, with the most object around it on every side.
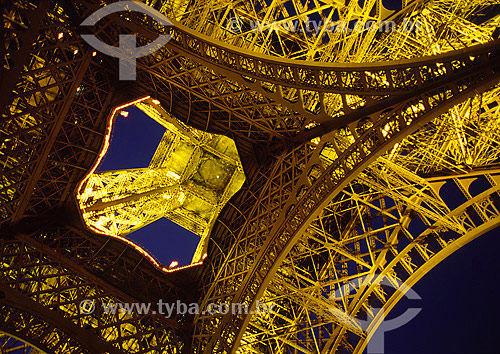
(459, 297)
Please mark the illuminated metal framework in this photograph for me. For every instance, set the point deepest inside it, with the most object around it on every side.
(350, 142)
(191, 176)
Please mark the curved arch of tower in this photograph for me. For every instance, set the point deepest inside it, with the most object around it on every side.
(349, 139)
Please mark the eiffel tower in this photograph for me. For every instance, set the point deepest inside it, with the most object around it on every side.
(348, 141)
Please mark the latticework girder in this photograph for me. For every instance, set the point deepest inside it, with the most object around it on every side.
(387, 231)
(345, 163)
(14, 345)
(45, 278)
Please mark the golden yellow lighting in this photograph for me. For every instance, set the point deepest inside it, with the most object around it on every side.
(181, 193)
(173, 175)
(103, 152)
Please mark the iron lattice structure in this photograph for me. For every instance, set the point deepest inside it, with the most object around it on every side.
(350, 142)
(190, 178)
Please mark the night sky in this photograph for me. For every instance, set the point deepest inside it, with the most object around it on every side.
(459, 297)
